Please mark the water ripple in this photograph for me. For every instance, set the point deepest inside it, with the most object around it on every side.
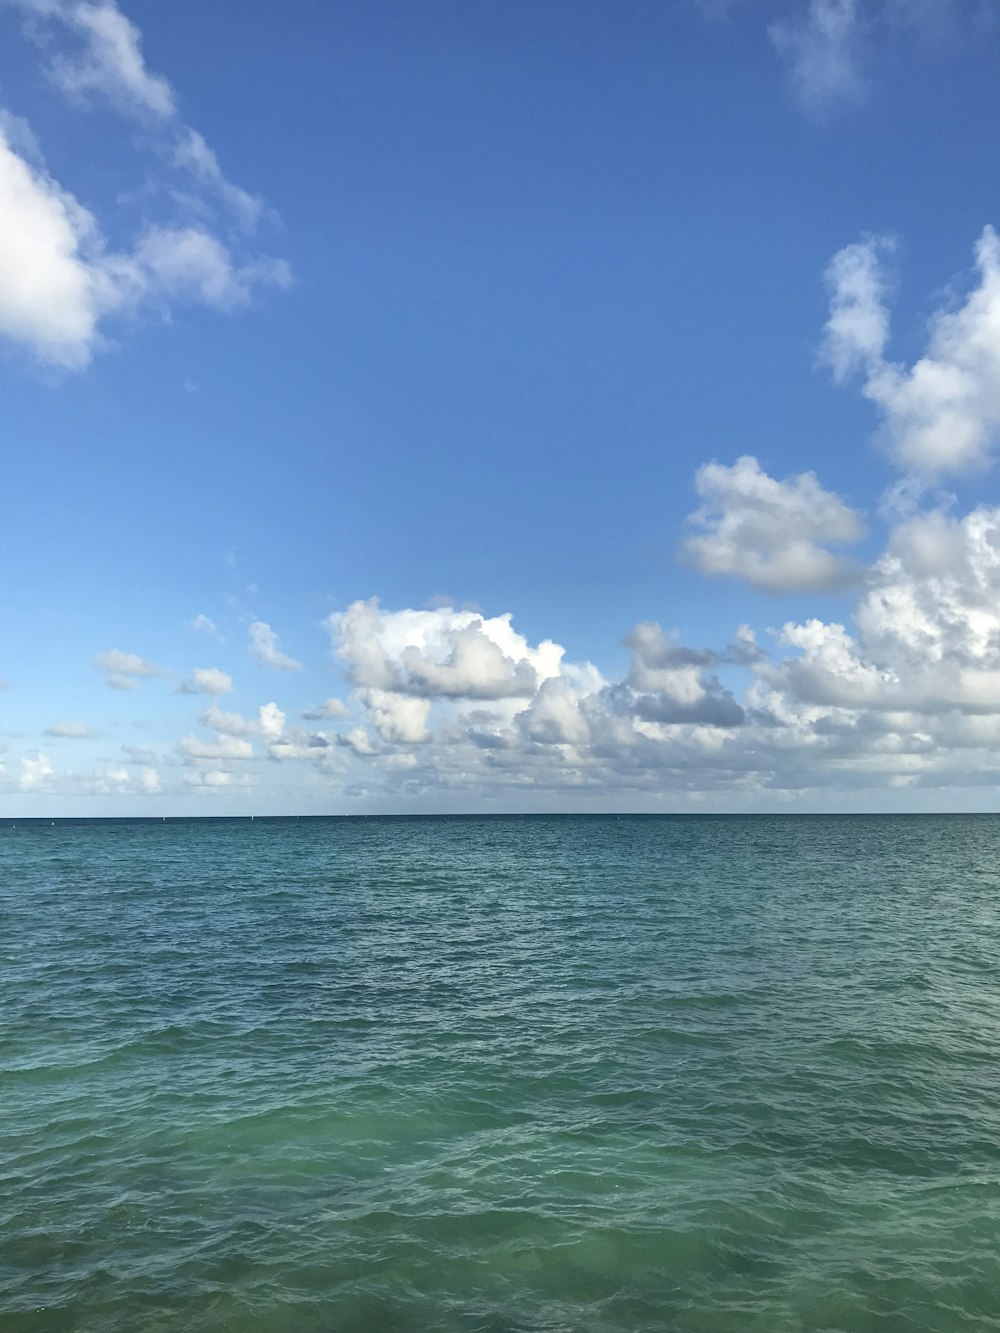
(509, 1076)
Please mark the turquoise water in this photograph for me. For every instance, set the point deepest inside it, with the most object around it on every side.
(522, 1074)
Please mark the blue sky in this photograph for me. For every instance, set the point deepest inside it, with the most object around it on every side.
(474, 310)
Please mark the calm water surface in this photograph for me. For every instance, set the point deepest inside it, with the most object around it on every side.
(576, 1074)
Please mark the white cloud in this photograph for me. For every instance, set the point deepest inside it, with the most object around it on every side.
(149, 781)
(35, 773)
(271, 721)
(196, 750)
(190, 264)
(330, 708)
(59, 282)
(107, 58)
(774, 534)
(265, 646)
(206, 680)
(192, 153)
(206, 625)
(398, 717)
(229, 724)
(212, 779)
(76, 731)
(942, 414)
(440, 653)
(123, 670)
(825, 48)
(360, 742)
(55, 281)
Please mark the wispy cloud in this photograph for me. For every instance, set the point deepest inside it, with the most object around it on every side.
(122, 671)
(265, 646)
(74, 731)
(825, 48)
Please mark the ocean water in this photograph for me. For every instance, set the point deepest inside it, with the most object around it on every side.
(512, 1074)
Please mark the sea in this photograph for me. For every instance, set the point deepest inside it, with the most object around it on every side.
(577, 1074)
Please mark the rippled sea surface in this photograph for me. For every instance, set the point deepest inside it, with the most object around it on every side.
(500, 1074)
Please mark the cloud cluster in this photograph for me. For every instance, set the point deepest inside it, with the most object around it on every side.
(59, 280)
(452, 709)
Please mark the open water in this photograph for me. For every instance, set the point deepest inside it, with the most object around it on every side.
(584, 1074)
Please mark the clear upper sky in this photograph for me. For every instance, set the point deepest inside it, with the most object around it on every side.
(642, 361)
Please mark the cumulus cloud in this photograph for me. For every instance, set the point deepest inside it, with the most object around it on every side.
(55, 280)
(75, 731)
(774, 534)
(195, 750)
(35, 773)
(59, 281)
(398, 717)
(206, 625)
(825, 48)
(271, 721)
(122, 671)
(206, 680)
(942, 414)
(440, 653)
(265, 646)
(330, 708)
(229, 724)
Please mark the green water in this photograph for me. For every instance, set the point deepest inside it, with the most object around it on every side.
(569, 1074)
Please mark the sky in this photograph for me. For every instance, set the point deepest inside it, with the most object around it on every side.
(440, 407)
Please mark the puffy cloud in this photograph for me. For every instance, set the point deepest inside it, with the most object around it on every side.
(942, 414)
(361, 743)
(206, 625)
(440, 653)
(75, 731)
(149, 781)
(271, 721)
(668, 683)
(772, 533)
(123, 670)
(228, 724)
(265, 646)
(330, 708)
(934, 598)
(206, 680)
(55, 281)
(59, 283)
(825, 49)
(398, 717)
(195, 750)
(35, 773)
